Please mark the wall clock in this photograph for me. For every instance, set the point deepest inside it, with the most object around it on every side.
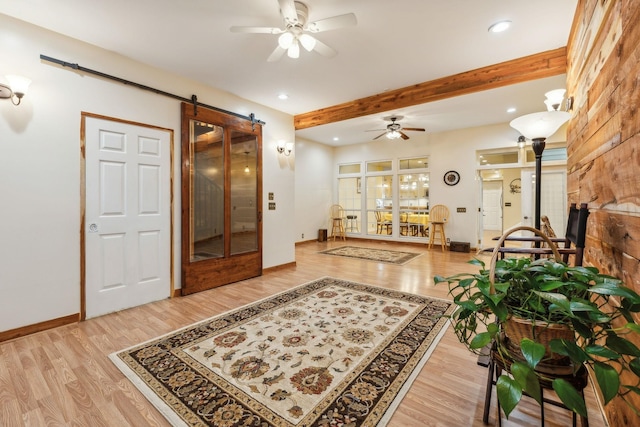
(451, 178)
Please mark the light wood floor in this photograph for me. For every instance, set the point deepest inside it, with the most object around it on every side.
(62, 377)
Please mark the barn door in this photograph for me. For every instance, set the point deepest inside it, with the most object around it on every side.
(221, 199)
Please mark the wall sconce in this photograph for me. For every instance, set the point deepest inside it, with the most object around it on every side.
(16, 89)
(283, 148)
(521, 141)
(554, 99)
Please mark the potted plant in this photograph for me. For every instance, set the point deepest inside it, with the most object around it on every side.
(549, 296)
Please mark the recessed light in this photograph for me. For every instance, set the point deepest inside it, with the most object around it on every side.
(511, 110)
(499, 26)
(283, 96)
(335, 138)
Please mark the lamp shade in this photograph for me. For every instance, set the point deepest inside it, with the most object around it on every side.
(19, 84)
(285, 40)
(308, 42)
(540, 125)
(294, 50)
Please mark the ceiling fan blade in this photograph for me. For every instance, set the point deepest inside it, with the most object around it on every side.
(276, 54)
(288, 11)
(333, 23)
(382, 134)
(404, 135)
(324, 50)
(257, 30)
(414, 129)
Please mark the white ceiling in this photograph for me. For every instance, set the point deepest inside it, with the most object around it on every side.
(394, 45)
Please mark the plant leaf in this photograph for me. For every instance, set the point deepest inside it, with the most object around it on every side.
(480, 340)
(528, 380)
(598, 350)
(569, 396)
(509, 393)
(568, 348)
(622, 345)
(532, 351)
(608, 380)
(558, 299)
(581, 306)
(634, 365)
(615, 289)
(551, 285)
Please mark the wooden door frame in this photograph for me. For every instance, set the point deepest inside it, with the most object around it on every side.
(196, 277)
(83, 200)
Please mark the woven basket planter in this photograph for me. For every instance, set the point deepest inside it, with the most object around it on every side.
(516, 328)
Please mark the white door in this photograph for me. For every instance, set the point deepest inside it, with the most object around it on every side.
(127, 220)
(553, 199)
(492, 205)
(527, 196)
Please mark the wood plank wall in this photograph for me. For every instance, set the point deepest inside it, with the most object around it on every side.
(603, 76)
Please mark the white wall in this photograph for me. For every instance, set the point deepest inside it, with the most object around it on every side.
(453, 150)
(314, 187)
(40, 164)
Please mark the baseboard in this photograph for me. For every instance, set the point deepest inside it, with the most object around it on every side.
(278, 267)
(39, 327)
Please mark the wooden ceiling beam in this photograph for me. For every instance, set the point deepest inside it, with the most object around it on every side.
(541, 65)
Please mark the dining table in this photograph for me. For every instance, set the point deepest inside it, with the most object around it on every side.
(418, 223)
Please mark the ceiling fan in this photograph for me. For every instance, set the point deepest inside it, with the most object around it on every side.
(395, 130)
(296, 30)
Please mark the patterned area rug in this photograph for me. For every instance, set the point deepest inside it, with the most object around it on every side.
(326, 353)
(380, 255)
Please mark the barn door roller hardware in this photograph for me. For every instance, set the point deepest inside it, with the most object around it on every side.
(193, 100)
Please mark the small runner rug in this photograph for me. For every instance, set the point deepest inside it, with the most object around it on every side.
(380, 255)
(327, 353)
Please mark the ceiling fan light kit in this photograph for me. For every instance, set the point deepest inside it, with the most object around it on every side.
(296, 28)
(395, 130)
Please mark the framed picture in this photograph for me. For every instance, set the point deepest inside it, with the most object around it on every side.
(451, 178)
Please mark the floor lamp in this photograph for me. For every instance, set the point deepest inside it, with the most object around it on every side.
(538, 127)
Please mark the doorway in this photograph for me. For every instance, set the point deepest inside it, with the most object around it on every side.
(126, 231)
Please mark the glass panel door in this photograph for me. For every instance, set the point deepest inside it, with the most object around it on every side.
(206, 201)
(244, 210)
(414, 204)
(379, 204)
(221, 199)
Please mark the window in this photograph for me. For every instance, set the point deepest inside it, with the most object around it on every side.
(374, 204)
(347, 169)
(382, 166)
(415, 163)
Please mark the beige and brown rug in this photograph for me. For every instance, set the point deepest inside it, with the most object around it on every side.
(326, 353)
(380, 255)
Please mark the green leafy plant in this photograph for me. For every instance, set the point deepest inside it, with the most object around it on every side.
(596, 307)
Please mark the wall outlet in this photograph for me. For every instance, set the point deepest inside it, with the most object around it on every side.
(448, 240)
(303, 235)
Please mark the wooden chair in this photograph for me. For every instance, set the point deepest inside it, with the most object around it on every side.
(404, 223)
(571, 244)
(336, 215)
(381, 223)
(438, 217)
